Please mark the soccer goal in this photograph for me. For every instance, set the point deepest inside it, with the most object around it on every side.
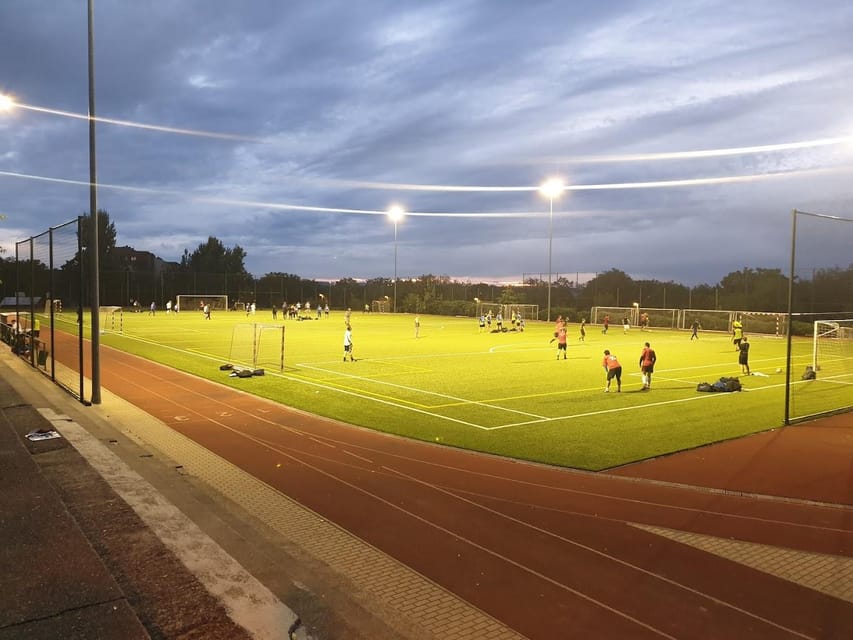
(111, 319)
(616, 314)
(525, 311)
(187, 302)
(258, 346)
(709, 319)
(55, 302)
(379, 306)
(832, 351)
(770, 323)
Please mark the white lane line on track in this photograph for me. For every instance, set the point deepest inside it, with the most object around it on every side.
(289, 454)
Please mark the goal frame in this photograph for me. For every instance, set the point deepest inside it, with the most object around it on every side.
(191, 301)
(616, 314)
(829, 330)
(254, 358)
(527, 311)
(109, 321)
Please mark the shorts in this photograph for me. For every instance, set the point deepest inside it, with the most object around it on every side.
(615, 372)
(347, 348)
(561, 346)
(648, 368)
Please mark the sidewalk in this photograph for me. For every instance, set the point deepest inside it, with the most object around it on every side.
(105, 538)
(77, 560)
(52, 583)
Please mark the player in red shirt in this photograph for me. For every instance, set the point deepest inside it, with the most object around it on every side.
(647, 365)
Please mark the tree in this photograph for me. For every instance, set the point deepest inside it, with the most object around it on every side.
(214, 257)
(106, 237)
(612, 288)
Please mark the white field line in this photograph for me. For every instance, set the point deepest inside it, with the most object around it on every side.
(621, 409)
(325, 388)
(538, 420)
(443, 396)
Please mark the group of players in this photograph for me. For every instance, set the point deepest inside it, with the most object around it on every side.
(516, 321)
(611, 364)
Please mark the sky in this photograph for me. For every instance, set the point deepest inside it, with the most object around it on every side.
(685, 132)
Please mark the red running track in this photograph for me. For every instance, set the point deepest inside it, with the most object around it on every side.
(550, 552)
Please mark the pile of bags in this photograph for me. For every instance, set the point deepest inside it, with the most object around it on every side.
(723, 384)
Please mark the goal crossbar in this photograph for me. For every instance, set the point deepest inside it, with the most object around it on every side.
(194, 302)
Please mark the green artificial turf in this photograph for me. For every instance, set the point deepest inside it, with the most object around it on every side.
(503, 393)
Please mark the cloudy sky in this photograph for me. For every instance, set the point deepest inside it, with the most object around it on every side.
(289, 128)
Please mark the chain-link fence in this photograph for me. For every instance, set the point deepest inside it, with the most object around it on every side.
(46, 327)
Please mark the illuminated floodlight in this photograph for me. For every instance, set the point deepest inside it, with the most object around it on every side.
(396, 213)
(552, 188)
(7, 103)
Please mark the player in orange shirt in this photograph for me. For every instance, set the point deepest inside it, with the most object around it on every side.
(561, 342)
(614, 370)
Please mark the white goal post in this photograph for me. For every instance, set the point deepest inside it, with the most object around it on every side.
(192, 302)
(379, 306)
(55, 302)
(111, 319)
(258, 346)
(616, 314)
(832, 350)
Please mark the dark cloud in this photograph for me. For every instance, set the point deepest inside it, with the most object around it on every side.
(465, 92)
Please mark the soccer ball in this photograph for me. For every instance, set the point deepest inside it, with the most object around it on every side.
(778, 369)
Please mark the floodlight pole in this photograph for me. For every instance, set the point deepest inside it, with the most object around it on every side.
(93, 218)
(395, 265)
(550, 244)
(395, 213)
(787, 417)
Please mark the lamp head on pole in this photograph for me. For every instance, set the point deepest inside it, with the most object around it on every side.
(7, 102)
(396, 213)
(552, 188)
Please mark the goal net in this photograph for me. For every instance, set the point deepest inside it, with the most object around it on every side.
(832, 351)
(195, 303)
(111, 319)
(55, 302)
(709, 319)
(258, 346)
(379, 306)
(775, 324)
(522, 311)
(616, 315)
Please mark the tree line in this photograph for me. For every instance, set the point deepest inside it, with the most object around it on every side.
(214, 268)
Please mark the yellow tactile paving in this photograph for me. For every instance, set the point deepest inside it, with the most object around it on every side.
(828, 574)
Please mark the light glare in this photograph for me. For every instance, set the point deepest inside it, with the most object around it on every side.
(553, 188)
